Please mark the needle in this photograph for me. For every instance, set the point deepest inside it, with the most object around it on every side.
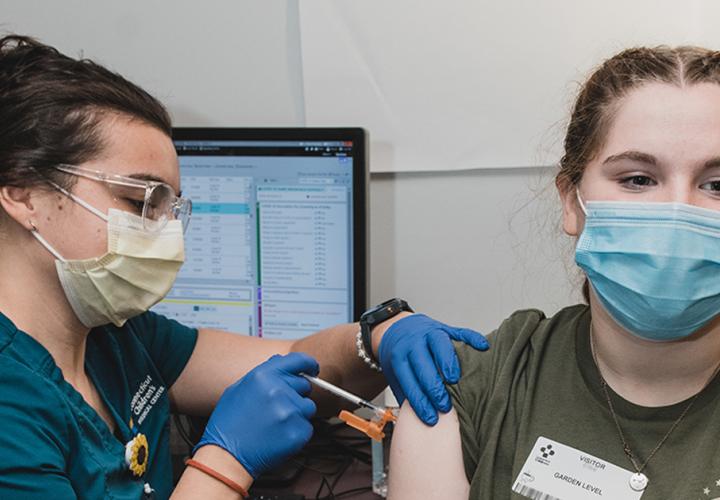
(344, 394)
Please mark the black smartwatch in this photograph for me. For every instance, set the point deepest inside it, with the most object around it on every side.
(377, 315)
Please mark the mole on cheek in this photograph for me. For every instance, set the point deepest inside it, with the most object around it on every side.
(60, 207)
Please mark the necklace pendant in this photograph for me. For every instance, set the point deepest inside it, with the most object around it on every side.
(638, 481)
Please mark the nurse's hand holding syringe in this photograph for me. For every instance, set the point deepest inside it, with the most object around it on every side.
(264, 418)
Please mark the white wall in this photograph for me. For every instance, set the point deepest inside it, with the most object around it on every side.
(471, 247)
(463, 84)
(215, 62)
(467, 247)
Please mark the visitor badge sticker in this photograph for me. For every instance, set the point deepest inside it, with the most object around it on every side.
(554, 471)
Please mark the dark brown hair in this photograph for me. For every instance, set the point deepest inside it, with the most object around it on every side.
(599, 97)
(52, 106)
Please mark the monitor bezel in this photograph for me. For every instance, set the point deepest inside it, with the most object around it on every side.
(360, 182)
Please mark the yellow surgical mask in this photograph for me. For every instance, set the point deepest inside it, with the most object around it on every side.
(136, 273)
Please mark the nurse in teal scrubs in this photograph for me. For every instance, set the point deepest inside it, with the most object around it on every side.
(91, 236)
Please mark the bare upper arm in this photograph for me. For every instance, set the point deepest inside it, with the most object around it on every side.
(427, 462)
(218, 360)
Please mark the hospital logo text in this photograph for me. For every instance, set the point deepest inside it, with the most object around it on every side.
(145, 398)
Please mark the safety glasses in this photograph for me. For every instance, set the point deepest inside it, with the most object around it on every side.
(156, 200)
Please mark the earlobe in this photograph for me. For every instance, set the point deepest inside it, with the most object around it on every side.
(572, 223)
(18, 204)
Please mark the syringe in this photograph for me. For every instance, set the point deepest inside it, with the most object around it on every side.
(349, 396)
(373, 428)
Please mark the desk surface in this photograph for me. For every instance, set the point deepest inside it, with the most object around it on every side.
(330, 455)
(358, 475)
(353, 473)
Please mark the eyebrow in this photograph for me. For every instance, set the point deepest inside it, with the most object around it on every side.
(154, 178)
(649, 159)
(147, 177)
(713, 163)
(633, 156)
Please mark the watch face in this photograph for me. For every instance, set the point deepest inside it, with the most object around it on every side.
(377, 308)
(390, 301)
(386, 310)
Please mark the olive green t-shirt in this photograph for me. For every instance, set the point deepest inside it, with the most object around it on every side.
(539, 379)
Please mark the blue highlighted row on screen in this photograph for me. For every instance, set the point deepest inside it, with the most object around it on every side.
(221, 208)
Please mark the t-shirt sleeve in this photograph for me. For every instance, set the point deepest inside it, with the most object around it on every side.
(169, 343)
(469, 396)
(33, 441)
(483, 379)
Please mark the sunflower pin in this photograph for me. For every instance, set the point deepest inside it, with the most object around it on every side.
(136, 454)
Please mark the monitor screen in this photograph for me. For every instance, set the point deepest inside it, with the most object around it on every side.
(276, 246)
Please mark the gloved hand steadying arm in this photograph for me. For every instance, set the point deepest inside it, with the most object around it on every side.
(416, 354)
(263, 418)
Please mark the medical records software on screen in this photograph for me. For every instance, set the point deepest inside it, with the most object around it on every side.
(270, 248)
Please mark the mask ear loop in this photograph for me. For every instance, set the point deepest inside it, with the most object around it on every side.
(579, 199)
(44, 242)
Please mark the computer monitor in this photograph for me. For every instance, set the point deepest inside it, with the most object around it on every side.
(276, 246)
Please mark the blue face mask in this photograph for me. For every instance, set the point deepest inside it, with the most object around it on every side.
(654, 266)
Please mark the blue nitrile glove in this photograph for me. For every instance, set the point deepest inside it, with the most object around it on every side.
(263, 418)
(416, 354)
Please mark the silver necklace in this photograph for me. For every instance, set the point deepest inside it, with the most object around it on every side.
(639, 481)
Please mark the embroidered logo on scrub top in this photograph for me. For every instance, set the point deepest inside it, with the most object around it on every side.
(145, 398)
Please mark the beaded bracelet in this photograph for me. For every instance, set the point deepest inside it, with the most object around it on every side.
(362, 354)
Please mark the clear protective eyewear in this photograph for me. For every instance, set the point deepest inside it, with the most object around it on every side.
(159, 204)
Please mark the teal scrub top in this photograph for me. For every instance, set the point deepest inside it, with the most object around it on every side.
(54, 445)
